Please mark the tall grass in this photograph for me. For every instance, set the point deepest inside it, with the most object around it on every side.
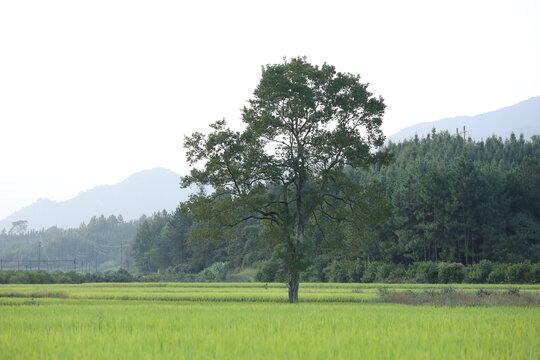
(241, 292)
(93, 329)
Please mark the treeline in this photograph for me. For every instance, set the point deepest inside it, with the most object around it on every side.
(353, 271)
(162, 243)
(102, 244)
(426, 272)
(454, 201)
(460, 201)
(63, 277)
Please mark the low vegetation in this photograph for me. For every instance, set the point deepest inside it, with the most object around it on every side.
(413, 294)
(344, 271)
(449, 296)
(252, 321)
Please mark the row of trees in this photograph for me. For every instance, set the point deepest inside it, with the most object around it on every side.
(162, 243)
(460, 201)
(452, 201)
(308, 178)
(297, 168)
(102, 244)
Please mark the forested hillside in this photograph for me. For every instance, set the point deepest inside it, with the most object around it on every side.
(461, 201)
(452, 200)
(100, 245)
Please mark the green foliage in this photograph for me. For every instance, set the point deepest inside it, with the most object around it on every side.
(498, 274)
(203, 329)
(426, 272)
(268, 272)
(451, 273)
(303, 127)
(338, 271)
(479, 273)
(377, 272)
(103, 242)
(460, 201)
(522, 273)
(318, 271)
(215, 272)
(449, 200)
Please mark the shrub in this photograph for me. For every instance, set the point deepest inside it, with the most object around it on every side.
(397, 275)
(215, 272)
(41, 277)
(376, 271)
(268, 272)
(318, 271)
(498, 274)
(21, 277)
(520, 273)
(121, 275)
(451, 273)
(426, 272)
(179, 269)
(478, 273)
(356, 270)
(338, 271)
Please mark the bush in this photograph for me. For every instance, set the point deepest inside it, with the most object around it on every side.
(478, 273)
(426, 272)
(21, 277)
(520, 273)
(3, 277)
(41, 277)
(268, 272)
(397, 275)
(318, 271)
(375, 271)
(383, 272)
(498, 274)
(338, 271)
(120, 275)
(215, 272)
(451, 273)
(356, 270)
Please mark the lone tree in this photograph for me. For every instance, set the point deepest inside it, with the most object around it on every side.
(304, 126)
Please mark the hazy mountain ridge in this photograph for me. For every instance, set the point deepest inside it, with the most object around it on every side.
(522, 118)
(153, 190)
(144, 192)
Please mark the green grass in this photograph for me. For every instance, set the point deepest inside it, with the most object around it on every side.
(82, 322)
(272, 292)
(83, 329)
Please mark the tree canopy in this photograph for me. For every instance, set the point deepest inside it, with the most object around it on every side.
(304, 126)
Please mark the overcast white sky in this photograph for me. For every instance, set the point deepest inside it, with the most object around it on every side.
(93, 91)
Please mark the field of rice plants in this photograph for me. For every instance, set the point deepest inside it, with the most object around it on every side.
(250, 321)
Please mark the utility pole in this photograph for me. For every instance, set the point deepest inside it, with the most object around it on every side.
(39, 256)
(464, 132)
(121, 253)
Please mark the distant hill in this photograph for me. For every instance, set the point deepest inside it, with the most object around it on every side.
(144, 192)
(523, 117)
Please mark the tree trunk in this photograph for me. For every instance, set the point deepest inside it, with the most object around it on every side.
(466, 246)
(294, 284)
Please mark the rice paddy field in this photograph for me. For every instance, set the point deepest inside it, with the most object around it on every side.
(254, 321)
